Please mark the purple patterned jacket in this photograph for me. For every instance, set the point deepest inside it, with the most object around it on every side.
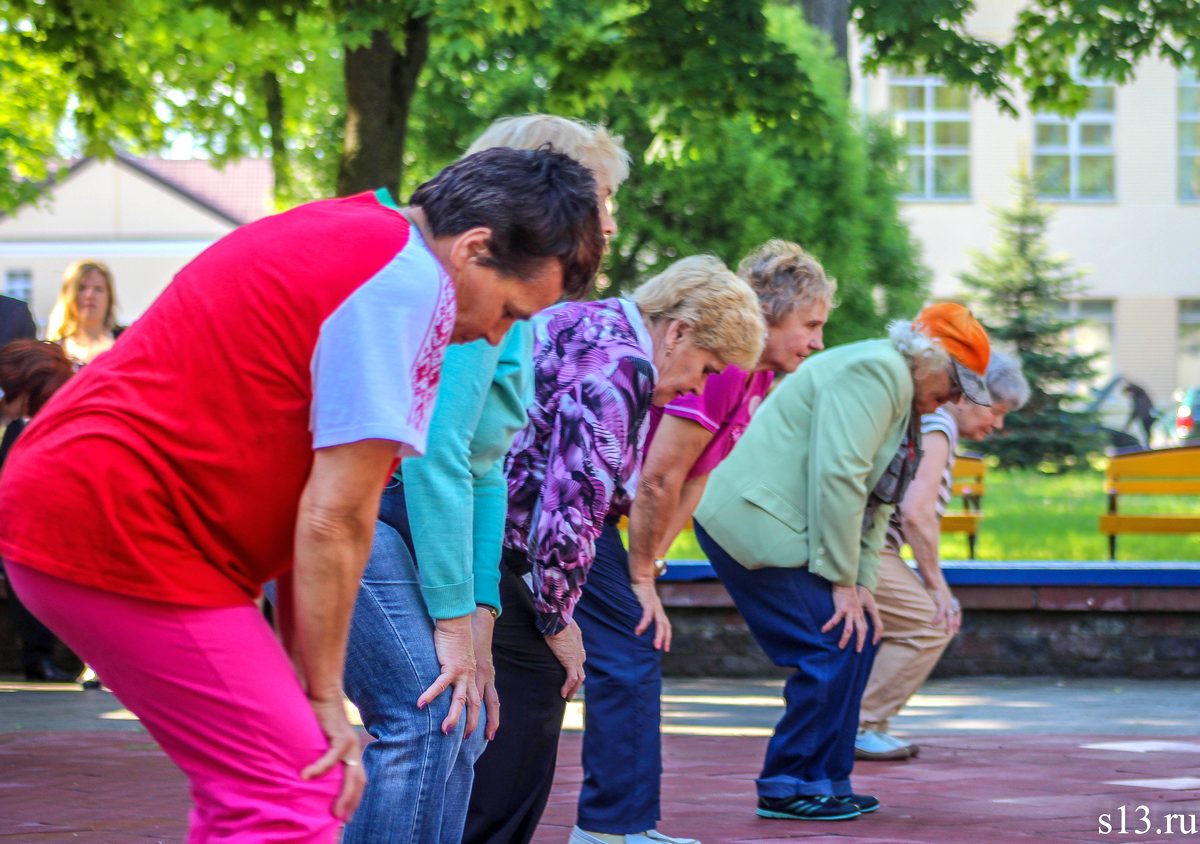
(583, 446)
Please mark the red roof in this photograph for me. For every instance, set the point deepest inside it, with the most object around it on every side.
(241, 190)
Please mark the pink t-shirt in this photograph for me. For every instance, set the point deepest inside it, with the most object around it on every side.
(724, 410)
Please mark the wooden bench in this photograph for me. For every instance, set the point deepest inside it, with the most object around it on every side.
(1164, 471)
(967, 477)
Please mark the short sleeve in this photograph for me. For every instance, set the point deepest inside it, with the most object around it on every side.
(378, 357)
(719, 401)
(939, 422)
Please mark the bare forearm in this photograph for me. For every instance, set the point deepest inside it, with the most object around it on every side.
(689, 499)
(330, 558)
(923, 532)
(651, 517)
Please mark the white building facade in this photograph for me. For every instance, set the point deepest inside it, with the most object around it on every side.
(1122, 180)
(145, 219)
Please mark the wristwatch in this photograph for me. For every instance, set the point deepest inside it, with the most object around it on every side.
(495, 612)
(660, 567)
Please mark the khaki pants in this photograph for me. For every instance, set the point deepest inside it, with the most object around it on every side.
(911, 644)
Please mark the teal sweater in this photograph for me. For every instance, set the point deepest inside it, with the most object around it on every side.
(456, 494)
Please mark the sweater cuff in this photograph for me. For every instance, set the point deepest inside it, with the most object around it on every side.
(450, 601)
(487, 591)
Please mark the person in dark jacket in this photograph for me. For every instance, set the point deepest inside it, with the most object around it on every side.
(1141, 408)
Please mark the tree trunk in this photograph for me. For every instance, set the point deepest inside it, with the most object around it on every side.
(380, 83)
(833, 18)
(273, 94)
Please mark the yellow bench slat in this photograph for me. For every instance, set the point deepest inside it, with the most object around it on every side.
(1115, 523)
(1144, 486)
(961, 522)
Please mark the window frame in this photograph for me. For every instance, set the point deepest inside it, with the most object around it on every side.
(1075, 149)
(25, 276)
(1084, 310)
(928, 151)
(1188, 79)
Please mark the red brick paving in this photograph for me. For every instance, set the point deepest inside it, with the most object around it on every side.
(97, 788)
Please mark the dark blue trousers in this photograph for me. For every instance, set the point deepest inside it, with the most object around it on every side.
(622, 748)
(812, 750)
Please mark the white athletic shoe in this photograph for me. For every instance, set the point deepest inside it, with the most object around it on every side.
(881, 747)
(650, 836)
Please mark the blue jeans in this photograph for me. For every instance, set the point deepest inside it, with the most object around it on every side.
(418, 780)
(622, 746)
(812, 750)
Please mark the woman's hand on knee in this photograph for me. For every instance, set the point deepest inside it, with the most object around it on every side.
(452, 639)
(344, 749)
(867, 601)
(848, 612)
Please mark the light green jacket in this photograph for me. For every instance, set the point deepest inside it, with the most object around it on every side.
(793, 491)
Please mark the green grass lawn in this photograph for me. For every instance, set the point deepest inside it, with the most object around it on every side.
(1032, 516)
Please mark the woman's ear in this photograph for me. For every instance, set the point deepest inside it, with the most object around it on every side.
(677, 332)
(470, 246)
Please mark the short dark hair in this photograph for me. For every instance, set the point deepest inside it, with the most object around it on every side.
(35, 369)
(539, 204)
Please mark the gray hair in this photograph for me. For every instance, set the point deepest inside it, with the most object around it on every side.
(1006, 382)
(785, 277)
(588, 143)
(923, 353)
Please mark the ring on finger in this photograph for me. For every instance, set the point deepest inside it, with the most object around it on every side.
(351, 763)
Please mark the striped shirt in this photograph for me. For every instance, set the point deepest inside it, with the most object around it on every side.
(941, 422)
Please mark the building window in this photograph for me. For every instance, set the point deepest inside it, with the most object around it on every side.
(1094, 334)
(1187, 373)
(1074, 158)
(19, 285)
(935, 121)
(1189, 135)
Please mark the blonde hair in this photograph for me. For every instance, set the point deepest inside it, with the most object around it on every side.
(925, 354)
(785, 277)
(64, 316)
(722, 309)
(588, 143)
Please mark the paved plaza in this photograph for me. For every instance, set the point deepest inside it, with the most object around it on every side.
(1002, 760)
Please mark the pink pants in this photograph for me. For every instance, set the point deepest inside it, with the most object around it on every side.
(217, 692)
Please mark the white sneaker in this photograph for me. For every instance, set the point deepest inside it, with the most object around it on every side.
(881, 747)
(650, 836)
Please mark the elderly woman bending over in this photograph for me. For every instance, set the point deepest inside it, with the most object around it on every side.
(793, 520)
(919, 614)
(598, 367)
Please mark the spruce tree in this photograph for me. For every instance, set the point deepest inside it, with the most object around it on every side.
(1020, 290)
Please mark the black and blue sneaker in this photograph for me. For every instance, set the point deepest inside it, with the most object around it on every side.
(865, 803)
(808, 808)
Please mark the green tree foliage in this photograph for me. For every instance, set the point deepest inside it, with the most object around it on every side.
(330, 86)
(1020, 288)
(709, 180)
(735, 114)
(32, 102)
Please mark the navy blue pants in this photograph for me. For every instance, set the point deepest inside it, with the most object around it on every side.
(812, 750)
(622, 749)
